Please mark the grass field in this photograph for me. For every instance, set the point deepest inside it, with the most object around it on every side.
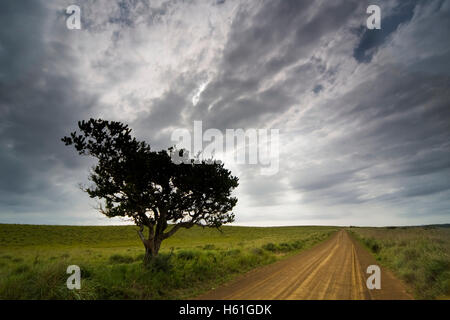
(34, 259)
(418, 255)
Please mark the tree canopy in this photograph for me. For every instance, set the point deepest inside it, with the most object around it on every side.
(148, 187)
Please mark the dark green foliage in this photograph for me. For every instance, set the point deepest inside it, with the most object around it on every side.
(21, 269)
(257, 251)
(162, 263)
(372, 245)
(187, 254)
(297, 244)
(232, 252)
(270, 247)
(118, 258)
(435, 268)
(287, 246)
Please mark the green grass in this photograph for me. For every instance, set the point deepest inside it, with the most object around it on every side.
(34, 259)
(418, 255)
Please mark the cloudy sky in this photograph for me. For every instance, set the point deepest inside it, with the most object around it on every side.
(363, 115)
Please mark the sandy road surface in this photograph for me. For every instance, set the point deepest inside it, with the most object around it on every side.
(333, 269)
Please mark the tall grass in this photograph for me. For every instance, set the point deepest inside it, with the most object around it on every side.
(192, 262)
(418, 255)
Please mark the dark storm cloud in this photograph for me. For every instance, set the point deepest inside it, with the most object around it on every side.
(288, 28)
(261, 45)
(314, 180)
(21, 24)
(397, 125)
(163, 112)
(39, 103)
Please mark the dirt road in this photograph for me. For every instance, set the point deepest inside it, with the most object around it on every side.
(332, 270)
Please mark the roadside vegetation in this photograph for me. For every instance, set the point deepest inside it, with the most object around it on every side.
(34, 259)
(418, 255)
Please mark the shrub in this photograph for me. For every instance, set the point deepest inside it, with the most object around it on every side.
(410, 254)
(285, 247)
(161, 262)
(409, 276)
(372, 244)
(232, 252)
(257, 251)
(140, 257)
(297, 244)
(187, 254)
(270, 247)
(435, 268)
(21, 269)
(118, 258)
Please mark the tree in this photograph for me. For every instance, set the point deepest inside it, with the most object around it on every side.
(148, 187)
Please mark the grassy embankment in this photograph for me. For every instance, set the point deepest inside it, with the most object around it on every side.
(34, 259)
(418, 255)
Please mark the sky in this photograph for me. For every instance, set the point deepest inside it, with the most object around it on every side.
(363, 115)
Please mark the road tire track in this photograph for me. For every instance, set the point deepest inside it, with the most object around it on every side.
(332, 270)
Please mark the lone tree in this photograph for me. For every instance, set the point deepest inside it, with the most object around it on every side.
(148, 187)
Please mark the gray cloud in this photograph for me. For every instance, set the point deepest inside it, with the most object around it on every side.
(40, 101)
(261, 46)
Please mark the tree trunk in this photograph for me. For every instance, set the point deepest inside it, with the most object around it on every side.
(151, 249)
(148, 256)
(151, 245)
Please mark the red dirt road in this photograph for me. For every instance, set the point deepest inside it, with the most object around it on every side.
(332, 270)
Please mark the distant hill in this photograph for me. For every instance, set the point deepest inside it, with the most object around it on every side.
(443, 225)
